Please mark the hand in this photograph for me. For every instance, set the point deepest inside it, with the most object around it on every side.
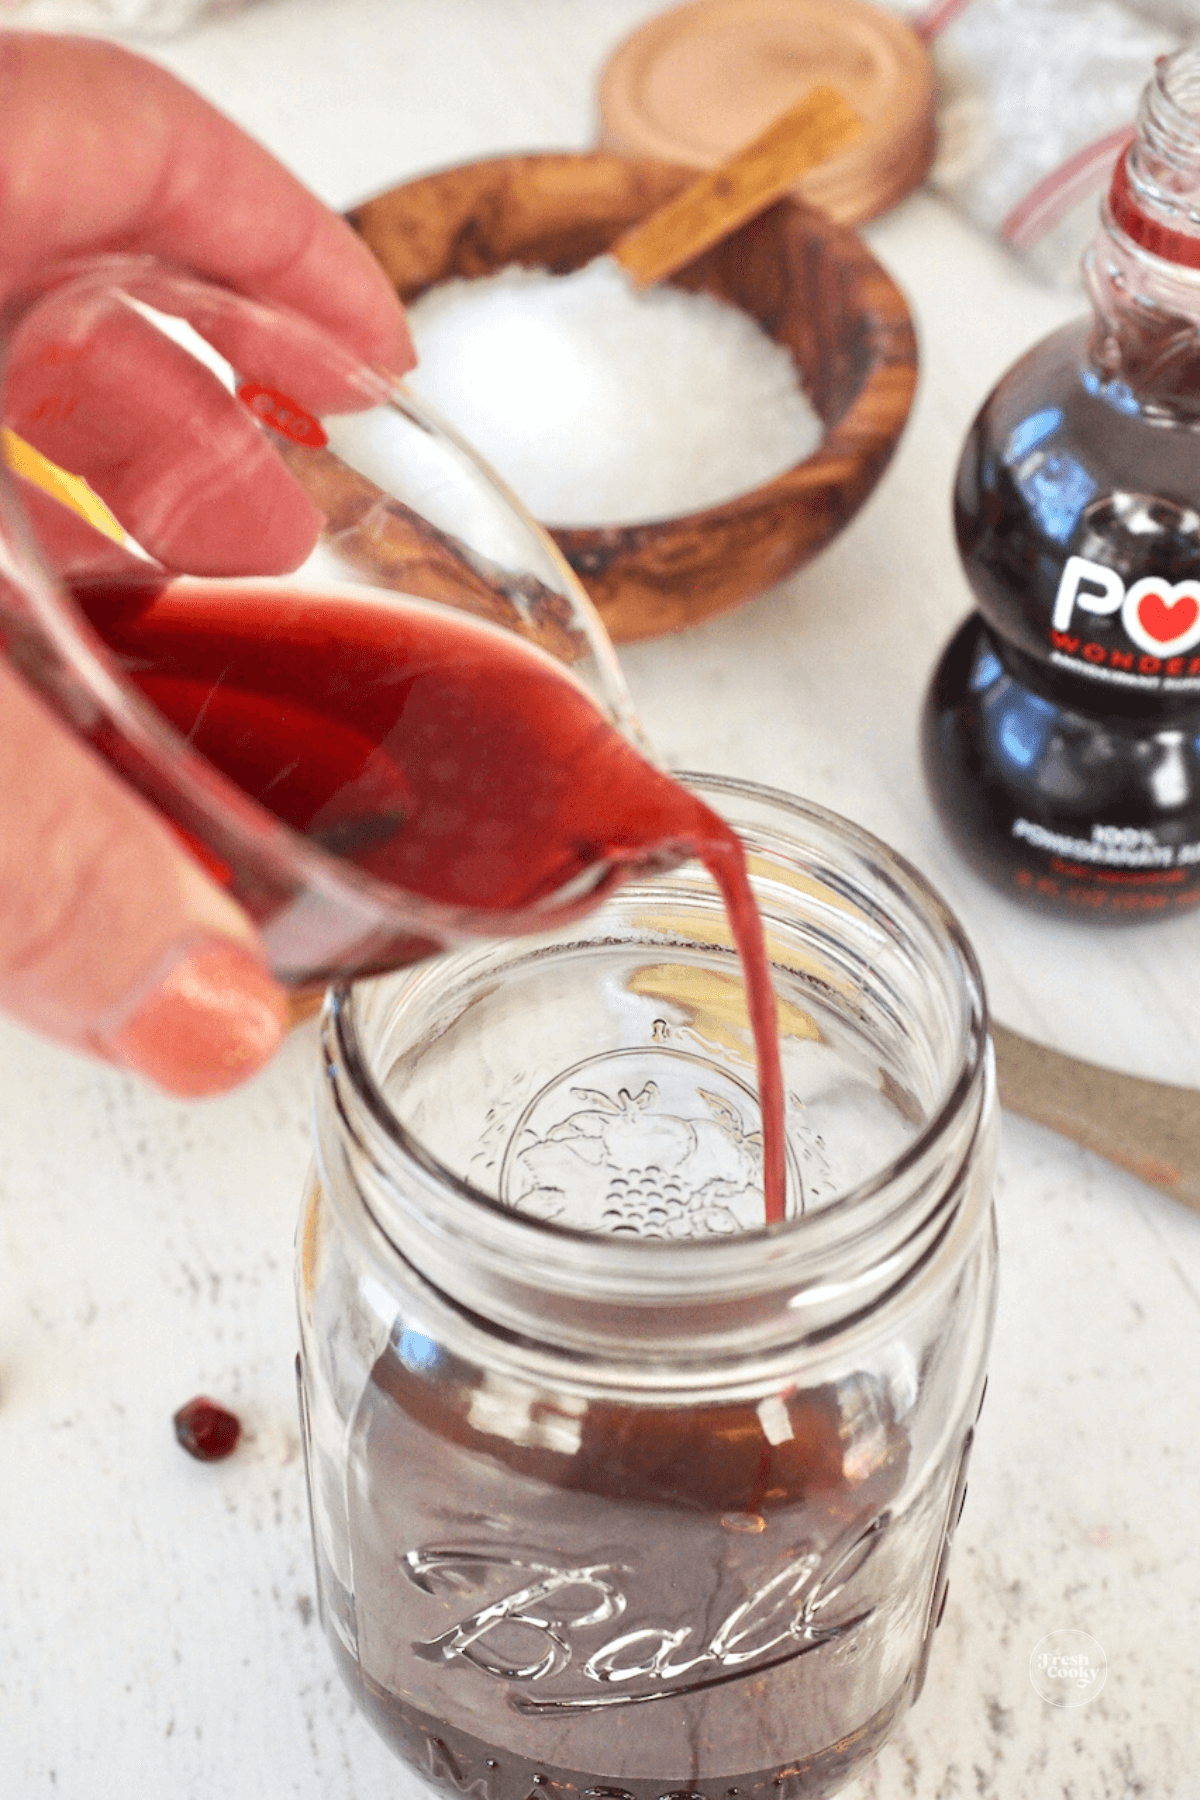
(111, 937)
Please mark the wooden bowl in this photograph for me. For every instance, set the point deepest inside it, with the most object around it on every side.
(811, 285)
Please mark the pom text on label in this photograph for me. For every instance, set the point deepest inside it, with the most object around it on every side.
(1161, 617)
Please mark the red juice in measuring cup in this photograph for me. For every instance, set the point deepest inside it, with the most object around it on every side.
(384, 753)
(463, 770)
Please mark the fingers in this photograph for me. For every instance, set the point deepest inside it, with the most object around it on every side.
(178, 461)
(101, 150)
(111, 938)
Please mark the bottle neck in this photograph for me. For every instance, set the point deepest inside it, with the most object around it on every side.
(1143, 269)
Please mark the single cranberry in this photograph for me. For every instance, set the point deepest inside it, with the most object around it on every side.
(206, 1430)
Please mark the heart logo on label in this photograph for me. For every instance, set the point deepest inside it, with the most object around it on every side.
(1165, 619)
(1161, 618)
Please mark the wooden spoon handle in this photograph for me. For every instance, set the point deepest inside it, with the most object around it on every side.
(717, 203)
(1147, 1127)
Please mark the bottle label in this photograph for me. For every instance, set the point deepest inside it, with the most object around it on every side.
(1109, 846)
(1078, 815)
(1144, 635)
(1119, 871)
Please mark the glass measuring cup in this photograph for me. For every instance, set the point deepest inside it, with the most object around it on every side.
(211, 513)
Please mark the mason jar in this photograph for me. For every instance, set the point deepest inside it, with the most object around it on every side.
(617, 1491)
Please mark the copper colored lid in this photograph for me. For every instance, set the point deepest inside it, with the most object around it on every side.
(695, 84)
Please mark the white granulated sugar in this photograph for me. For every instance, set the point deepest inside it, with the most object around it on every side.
(600, 405)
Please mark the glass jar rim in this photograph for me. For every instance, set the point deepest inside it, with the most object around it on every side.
(859, 1216)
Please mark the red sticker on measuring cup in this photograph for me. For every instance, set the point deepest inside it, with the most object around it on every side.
(282, 414)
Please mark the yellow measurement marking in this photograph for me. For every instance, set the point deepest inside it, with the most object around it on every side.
(70, 490)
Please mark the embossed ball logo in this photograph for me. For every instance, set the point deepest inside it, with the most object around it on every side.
(1068, 1668)
(581, 1629)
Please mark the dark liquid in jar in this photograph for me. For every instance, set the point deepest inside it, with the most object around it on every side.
(455, 1762)
(619, 1599)
(1061, 729)
(439, 755)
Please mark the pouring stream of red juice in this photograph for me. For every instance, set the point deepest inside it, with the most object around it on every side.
(441, 755)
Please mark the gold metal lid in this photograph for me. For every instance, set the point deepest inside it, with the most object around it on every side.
(696, 83)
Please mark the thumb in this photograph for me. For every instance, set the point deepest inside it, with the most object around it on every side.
(111, 937)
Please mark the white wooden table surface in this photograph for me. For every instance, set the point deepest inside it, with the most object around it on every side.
(157, 1631)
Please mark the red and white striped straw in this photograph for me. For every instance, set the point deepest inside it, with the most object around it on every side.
(1055, 194)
